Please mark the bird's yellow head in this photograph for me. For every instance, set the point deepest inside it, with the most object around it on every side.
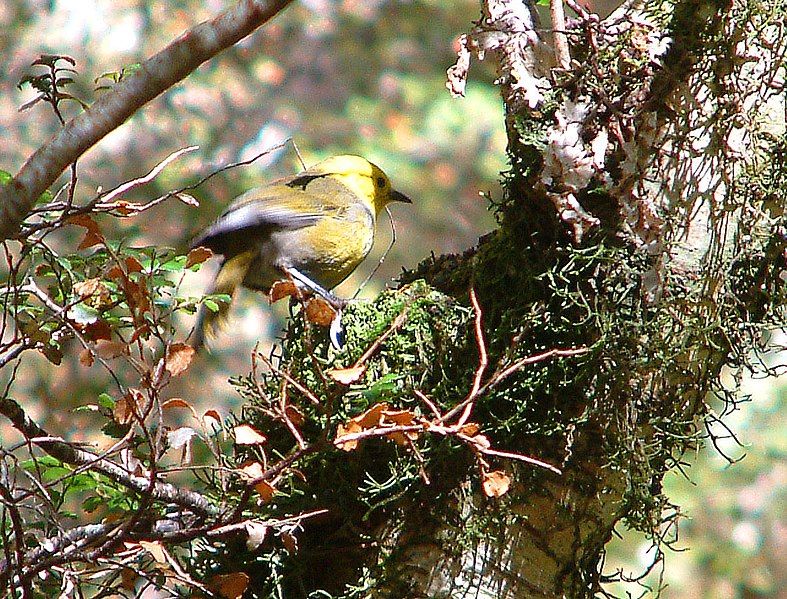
(363, 178)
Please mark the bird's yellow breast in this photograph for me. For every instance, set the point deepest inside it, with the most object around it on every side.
(332, 248)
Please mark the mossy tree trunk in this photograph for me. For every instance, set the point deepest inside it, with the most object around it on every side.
(641, 220)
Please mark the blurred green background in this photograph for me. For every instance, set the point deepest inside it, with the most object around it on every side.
(345, 76)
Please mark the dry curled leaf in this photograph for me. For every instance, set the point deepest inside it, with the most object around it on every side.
(110, 349)
(400, 418)
(344, 430)
(247, 435)
(93, 289)
(319, 312)
(86, 358)
(176, 402)
(133, 265)
(98, 329)
(282, 289)
(179, 357)
(257, 532)
(156, 549)
(295, 415)
(127, 407)
(470, 429)
(346, 376)
(265, 490)
(197, 256)
(211, 420)
(495, 483)
(229, 586)
(90, 239)
(371, 417)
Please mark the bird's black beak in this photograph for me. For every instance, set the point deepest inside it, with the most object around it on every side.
(398, 196)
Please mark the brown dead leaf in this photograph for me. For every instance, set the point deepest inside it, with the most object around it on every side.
(86, 358)
(295, 415)
(320, 312)
(127, 407)
(398, 417)
(110, 349)
(229, 586)
(156, 549)
(343, 431)
(289, 541)
(99, 329)
(197, 256)
(247, 435)
(250, 470)
(90, 239)
(176, 402)
(82, 220)
(371, 417)
(282, 289)
(470, 429)
(93, 235)
(179, 357)
(92, 291)
(265, 490)
(346, 376)
(116, 273)
(495, 483)
(211, 420)
(133, 265)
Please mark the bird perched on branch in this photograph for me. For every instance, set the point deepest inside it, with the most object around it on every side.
(313, 228)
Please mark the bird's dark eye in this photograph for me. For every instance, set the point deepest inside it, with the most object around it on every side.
(380, 181)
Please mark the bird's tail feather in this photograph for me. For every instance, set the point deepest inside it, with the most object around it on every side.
(228, 280)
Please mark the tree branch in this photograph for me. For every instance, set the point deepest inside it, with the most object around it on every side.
(156, 75)
(69, 454)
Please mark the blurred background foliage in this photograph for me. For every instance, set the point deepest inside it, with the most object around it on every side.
(344, 76)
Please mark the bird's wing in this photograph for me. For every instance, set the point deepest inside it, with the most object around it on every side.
(257, 213)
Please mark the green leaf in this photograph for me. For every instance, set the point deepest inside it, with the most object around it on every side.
(383, 386)
(92, 503)
(106, 401)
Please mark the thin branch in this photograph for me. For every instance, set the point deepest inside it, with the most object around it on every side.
(65, 452)
(483, 360)
(559, 38)
(155, 76)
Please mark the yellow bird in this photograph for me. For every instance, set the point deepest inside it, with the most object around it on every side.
(314, 228)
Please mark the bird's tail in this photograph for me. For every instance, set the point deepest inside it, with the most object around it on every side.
(228, 280)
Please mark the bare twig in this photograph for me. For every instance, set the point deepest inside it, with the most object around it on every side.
(69, 454)
(559, 37)
(483, 360)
